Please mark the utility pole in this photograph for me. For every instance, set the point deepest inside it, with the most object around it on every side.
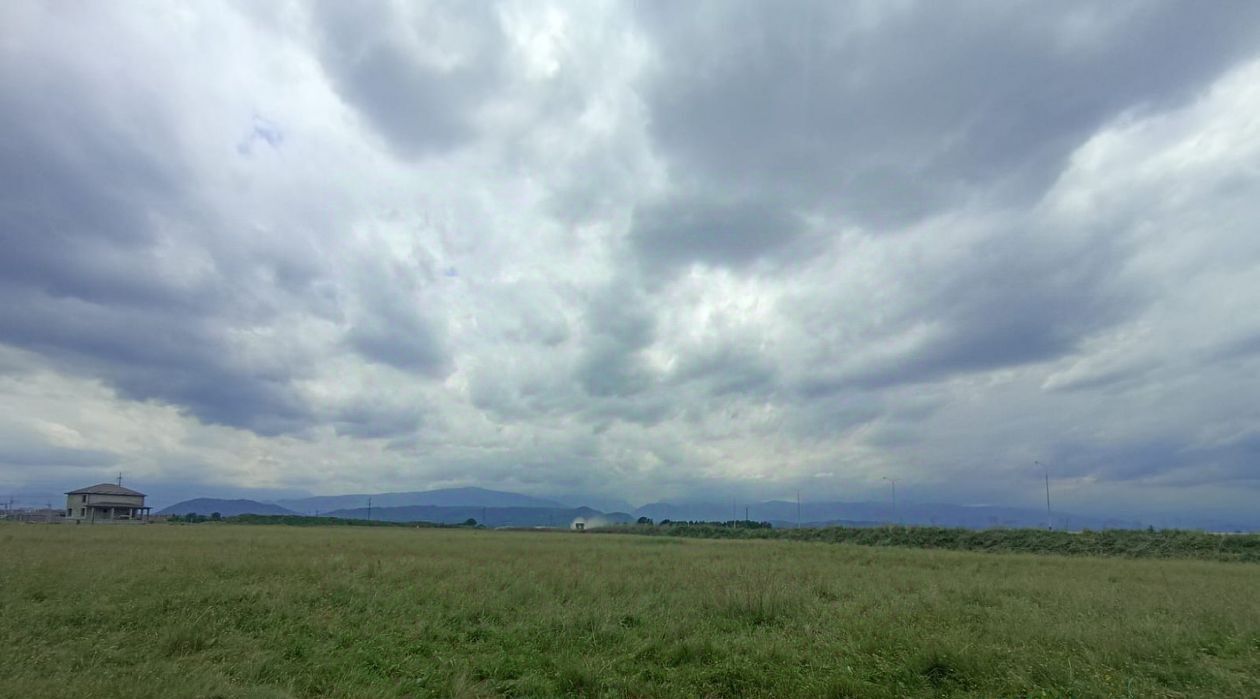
(120, 479)
(1049, 516)
(369, 509)
(746, 520)
(893, 481)
(798, 508)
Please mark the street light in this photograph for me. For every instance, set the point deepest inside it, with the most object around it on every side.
(1049, 516)
(893, 481)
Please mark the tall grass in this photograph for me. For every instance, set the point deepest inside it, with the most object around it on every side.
(1124, 543)
(239, 611)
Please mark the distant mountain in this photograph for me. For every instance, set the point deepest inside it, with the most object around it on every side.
(227, 508)
(444, 497)
(597, 502)
(559, 517)
(868, 513)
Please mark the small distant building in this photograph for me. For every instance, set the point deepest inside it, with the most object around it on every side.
(106, 504)
(578, 525)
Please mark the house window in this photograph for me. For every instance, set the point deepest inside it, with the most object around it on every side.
(82, 498)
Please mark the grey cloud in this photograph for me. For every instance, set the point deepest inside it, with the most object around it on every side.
(1019, 297)
(891, 117)
(733, 233)
(876, 279)
(392, 328)
(37, 456)
(1166, 460)
(373, 421)
(382, 61)
(95, 193)
(155, 355)
(729, 370)
(617, 328)
(400, 339)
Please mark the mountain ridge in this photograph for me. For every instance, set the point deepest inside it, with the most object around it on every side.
(439, 497)
(227, 508)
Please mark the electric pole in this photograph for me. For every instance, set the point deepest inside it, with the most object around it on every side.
(893, 481)
(798, 508)
(369, 509)
(1049, 516)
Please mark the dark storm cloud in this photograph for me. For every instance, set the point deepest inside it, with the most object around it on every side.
(884, 113)
(417, 77)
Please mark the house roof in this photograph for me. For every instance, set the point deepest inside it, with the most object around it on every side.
(105, 489)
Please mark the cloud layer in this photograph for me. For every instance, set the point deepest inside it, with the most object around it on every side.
(639, 251)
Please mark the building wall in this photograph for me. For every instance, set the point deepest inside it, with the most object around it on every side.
(76, 505)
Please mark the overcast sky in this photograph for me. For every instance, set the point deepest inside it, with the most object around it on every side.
(649, 251)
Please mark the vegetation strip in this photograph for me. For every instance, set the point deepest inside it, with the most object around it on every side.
(1123, 543)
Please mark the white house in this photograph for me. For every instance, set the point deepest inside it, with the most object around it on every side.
(106, 504)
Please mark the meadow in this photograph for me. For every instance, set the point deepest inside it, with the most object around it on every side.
(228, 610)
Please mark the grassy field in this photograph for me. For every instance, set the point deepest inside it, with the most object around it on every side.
(238, 611)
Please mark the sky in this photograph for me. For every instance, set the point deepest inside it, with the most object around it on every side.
(641, 250)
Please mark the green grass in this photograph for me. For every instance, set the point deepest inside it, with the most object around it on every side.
(1123, 543)
(241, 611)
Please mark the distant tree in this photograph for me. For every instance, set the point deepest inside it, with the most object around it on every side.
(665, 521)
(215, 516)
(470, 522)
(190, 517)
(645, 520)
